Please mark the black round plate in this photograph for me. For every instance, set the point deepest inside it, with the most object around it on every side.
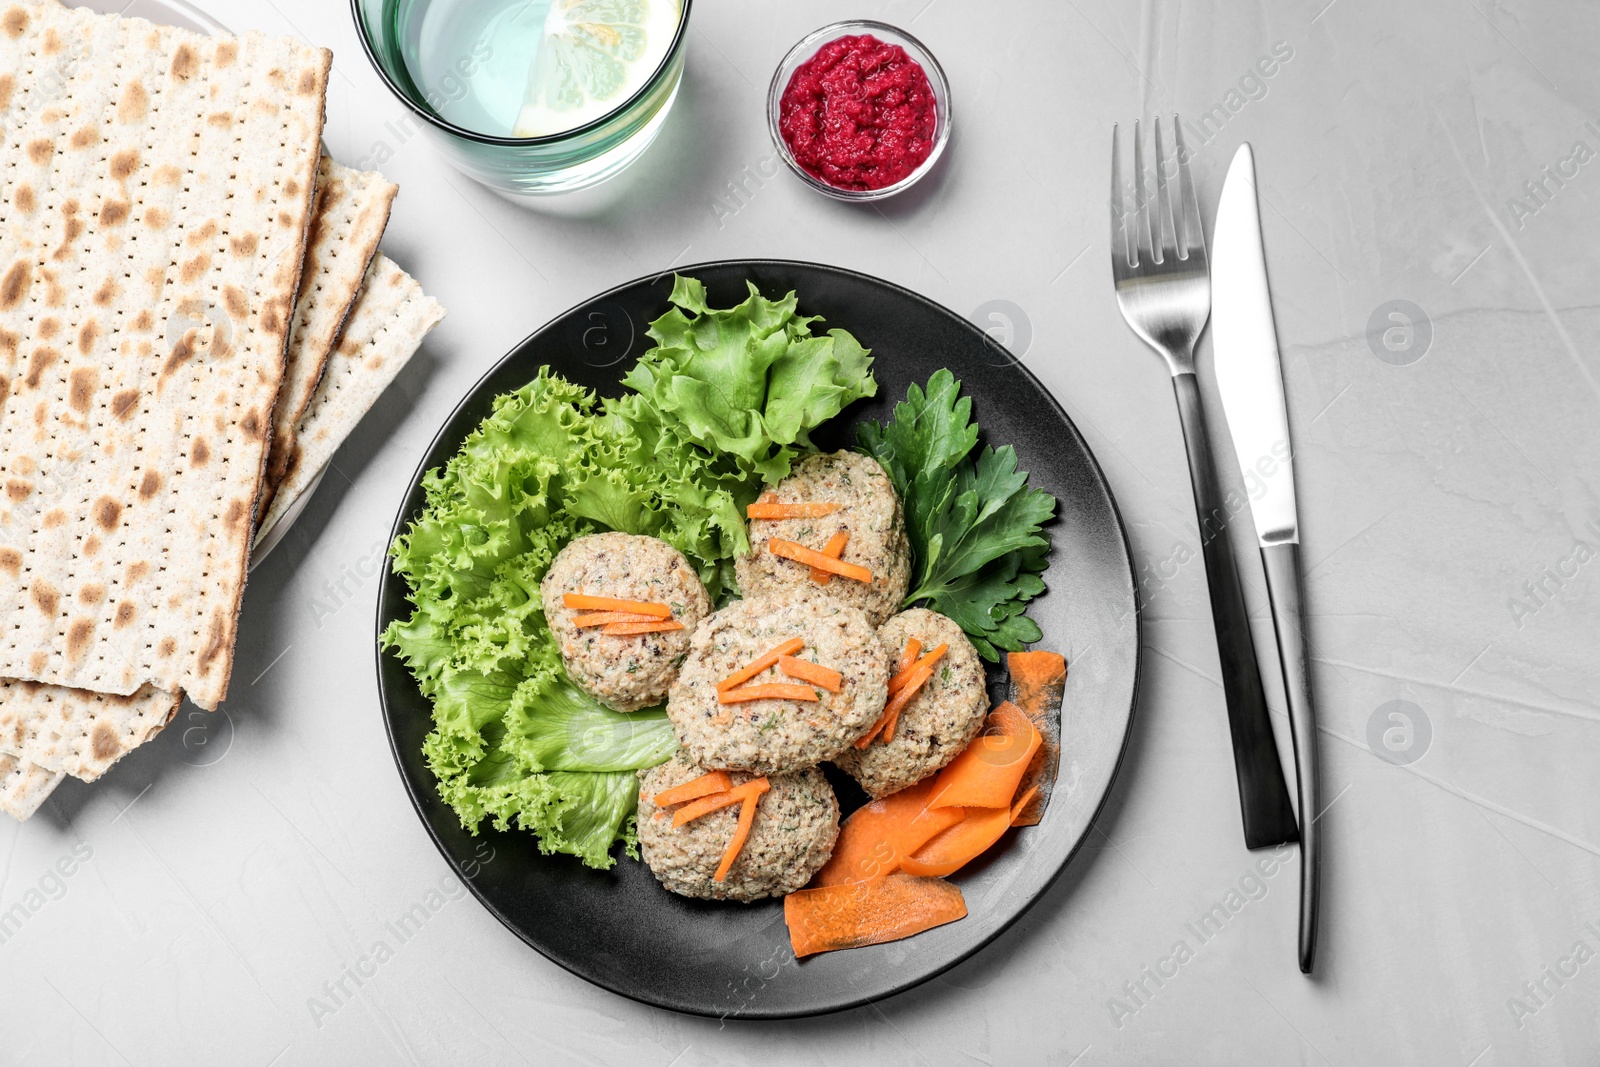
(619, 928)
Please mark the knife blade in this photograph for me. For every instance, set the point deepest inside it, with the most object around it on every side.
(1245, 341)
(1250, 380)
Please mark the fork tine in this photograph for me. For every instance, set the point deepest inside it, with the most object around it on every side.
(1141, 219)
(1192, 239)
(1164, 229)
(1119, 215)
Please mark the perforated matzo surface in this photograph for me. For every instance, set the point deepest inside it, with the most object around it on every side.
(351, 214)
(390, 318)
(24, 786)
(76, 731)
(155, 187)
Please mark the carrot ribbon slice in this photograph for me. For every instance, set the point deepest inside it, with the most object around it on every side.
(869, 913)
(909, 656)
(978, 830)
(695, 788)
(1019, 807)
(900, 831)
(705, 805)
(815, 673)
(585, 602)
(769, 691)
(987, 772)
(878, 833)
(812, 558)
(772, 510)
(1038, 684)
(628, 629)
(938, 825)
(1037, 679)
(964, 842)
(761, 663)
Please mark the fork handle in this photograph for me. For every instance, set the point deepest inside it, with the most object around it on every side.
(1263, 795)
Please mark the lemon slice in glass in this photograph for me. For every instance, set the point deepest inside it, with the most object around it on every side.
(594, 55)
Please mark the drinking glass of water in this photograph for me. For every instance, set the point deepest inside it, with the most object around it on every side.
(531, 97)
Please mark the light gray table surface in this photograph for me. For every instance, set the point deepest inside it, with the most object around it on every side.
(227, 871)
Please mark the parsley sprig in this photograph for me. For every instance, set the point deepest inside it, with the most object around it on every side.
(977, 540)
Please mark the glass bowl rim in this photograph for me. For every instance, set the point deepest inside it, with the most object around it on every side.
(814, 41)
(438, 121)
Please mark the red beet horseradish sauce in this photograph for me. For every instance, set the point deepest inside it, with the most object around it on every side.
(859, 114)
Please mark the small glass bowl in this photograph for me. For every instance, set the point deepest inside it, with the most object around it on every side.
(808, 46)
(527, 169)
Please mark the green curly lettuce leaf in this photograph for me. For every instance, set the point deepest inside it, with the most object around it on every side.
(749, 381)
(561, 729)
(977, 533)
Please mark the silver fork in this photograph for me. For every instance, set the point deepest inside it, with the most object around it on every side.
(1158, 262)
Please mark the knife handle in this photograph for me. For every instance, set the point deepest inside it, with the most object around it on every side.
(1263, 795)
(1282, 565)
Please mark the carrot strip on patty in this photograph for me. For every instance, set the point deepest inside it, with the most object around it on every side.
(815, 673)
(770, 691)
(905, 695)
(717, 801)
(909, 656)
(741, 832)
(762, 509)
(705, 805)
(812, 558)
(871, 735)
(902, 676)
(897, 703)
(585, 602)
(628, 629)
(760, 663)
(834, 548)
(694, 789)
(600, 618)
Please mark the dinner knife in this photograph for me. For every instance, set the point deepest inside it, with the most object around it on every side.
(1250, 378)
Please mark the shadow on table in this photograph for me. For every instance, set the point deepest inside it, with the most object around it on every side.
(193, 738)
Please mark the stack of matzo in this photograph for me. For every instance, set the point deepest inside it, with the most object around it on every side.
(159, 193)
